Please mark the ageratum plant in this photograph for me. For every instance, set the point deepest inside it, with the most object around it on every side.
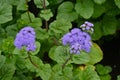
(54, 39)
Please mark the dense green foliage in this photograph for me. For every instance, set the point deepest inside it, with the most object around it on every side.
(51, 19)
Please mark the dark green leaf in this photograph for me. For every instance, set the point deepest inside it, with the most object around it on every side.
(11, 30)
(105, 77)
(66, 11)
(98, 10)
(103, 70)
(117, 2)
(5, 13)
(118, 77)
(97, 34)
(7, 71)
(2, 60)
(82, 8)
(99, 1)
(109, 25)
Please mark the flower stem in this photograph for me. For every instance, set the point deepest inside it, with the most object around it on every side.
(28, 12)
(32, 60)
(46, 22)
(66, 62)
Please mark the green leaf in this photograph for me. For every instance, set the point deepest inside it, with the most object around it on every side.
(29, 20)
(7, 71)
(97, 34)
(11, 30)
(25, 19)
(14, 2)
(85, 8)
(2, 60)
(59, 54)
(96, 54)
(33, 62)
(36, 23)
(20, 62)
(20, 52)
(5, 13)
(7, 45)
(38, 45)
(41, 33)
(21, 76)
(105, 77)
(44, 72)
(59, 27)
(22, 5)
(99, 1)
(109, 25)
(66, 11)
(118, 77)
(98, 10)
(2, 35)
(88, 73)
(103, 70)
(54, 2)
(117, 2)
(59, 74)
(39, 3)
(81, 58)
(46, 14)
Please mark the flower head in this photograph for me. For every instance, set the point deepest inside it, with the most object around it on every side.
(25, 37)
(77, 40)
(87, 26)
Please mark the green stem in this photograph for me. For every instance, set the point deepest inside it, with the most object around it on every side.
(32, 60)
(28, 12)
(55, 41)
(66, 62)
(46, 22)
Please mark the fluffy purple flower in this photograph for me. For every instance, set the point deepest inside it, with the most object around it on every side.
(87, 26)
(26, 37)
(77, 40)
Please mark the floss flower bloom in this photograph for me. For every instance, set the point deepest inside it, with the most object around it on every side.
(26, 37)
(77, 40)
(87, 26)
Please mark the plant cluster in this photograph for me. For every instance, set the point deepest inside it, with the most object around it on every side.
(54, 39)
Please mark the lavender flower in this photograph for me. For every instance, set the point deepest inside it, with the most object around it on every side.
(26, 37)
(87, 27)
(77, 40)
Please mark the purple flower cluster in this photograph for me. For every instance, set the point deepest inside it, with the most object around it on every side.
(87, 26)
(26, 37)
(77, 40)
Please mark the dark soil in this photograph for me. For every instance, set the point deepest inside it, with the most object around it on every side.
(110, 46)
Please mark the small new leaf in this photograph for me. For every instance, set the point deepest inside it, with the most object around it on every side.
(46, 14)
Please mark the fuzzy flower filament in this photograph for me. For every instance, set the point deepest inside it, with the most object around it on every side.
(25, 37)
(77, 40)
